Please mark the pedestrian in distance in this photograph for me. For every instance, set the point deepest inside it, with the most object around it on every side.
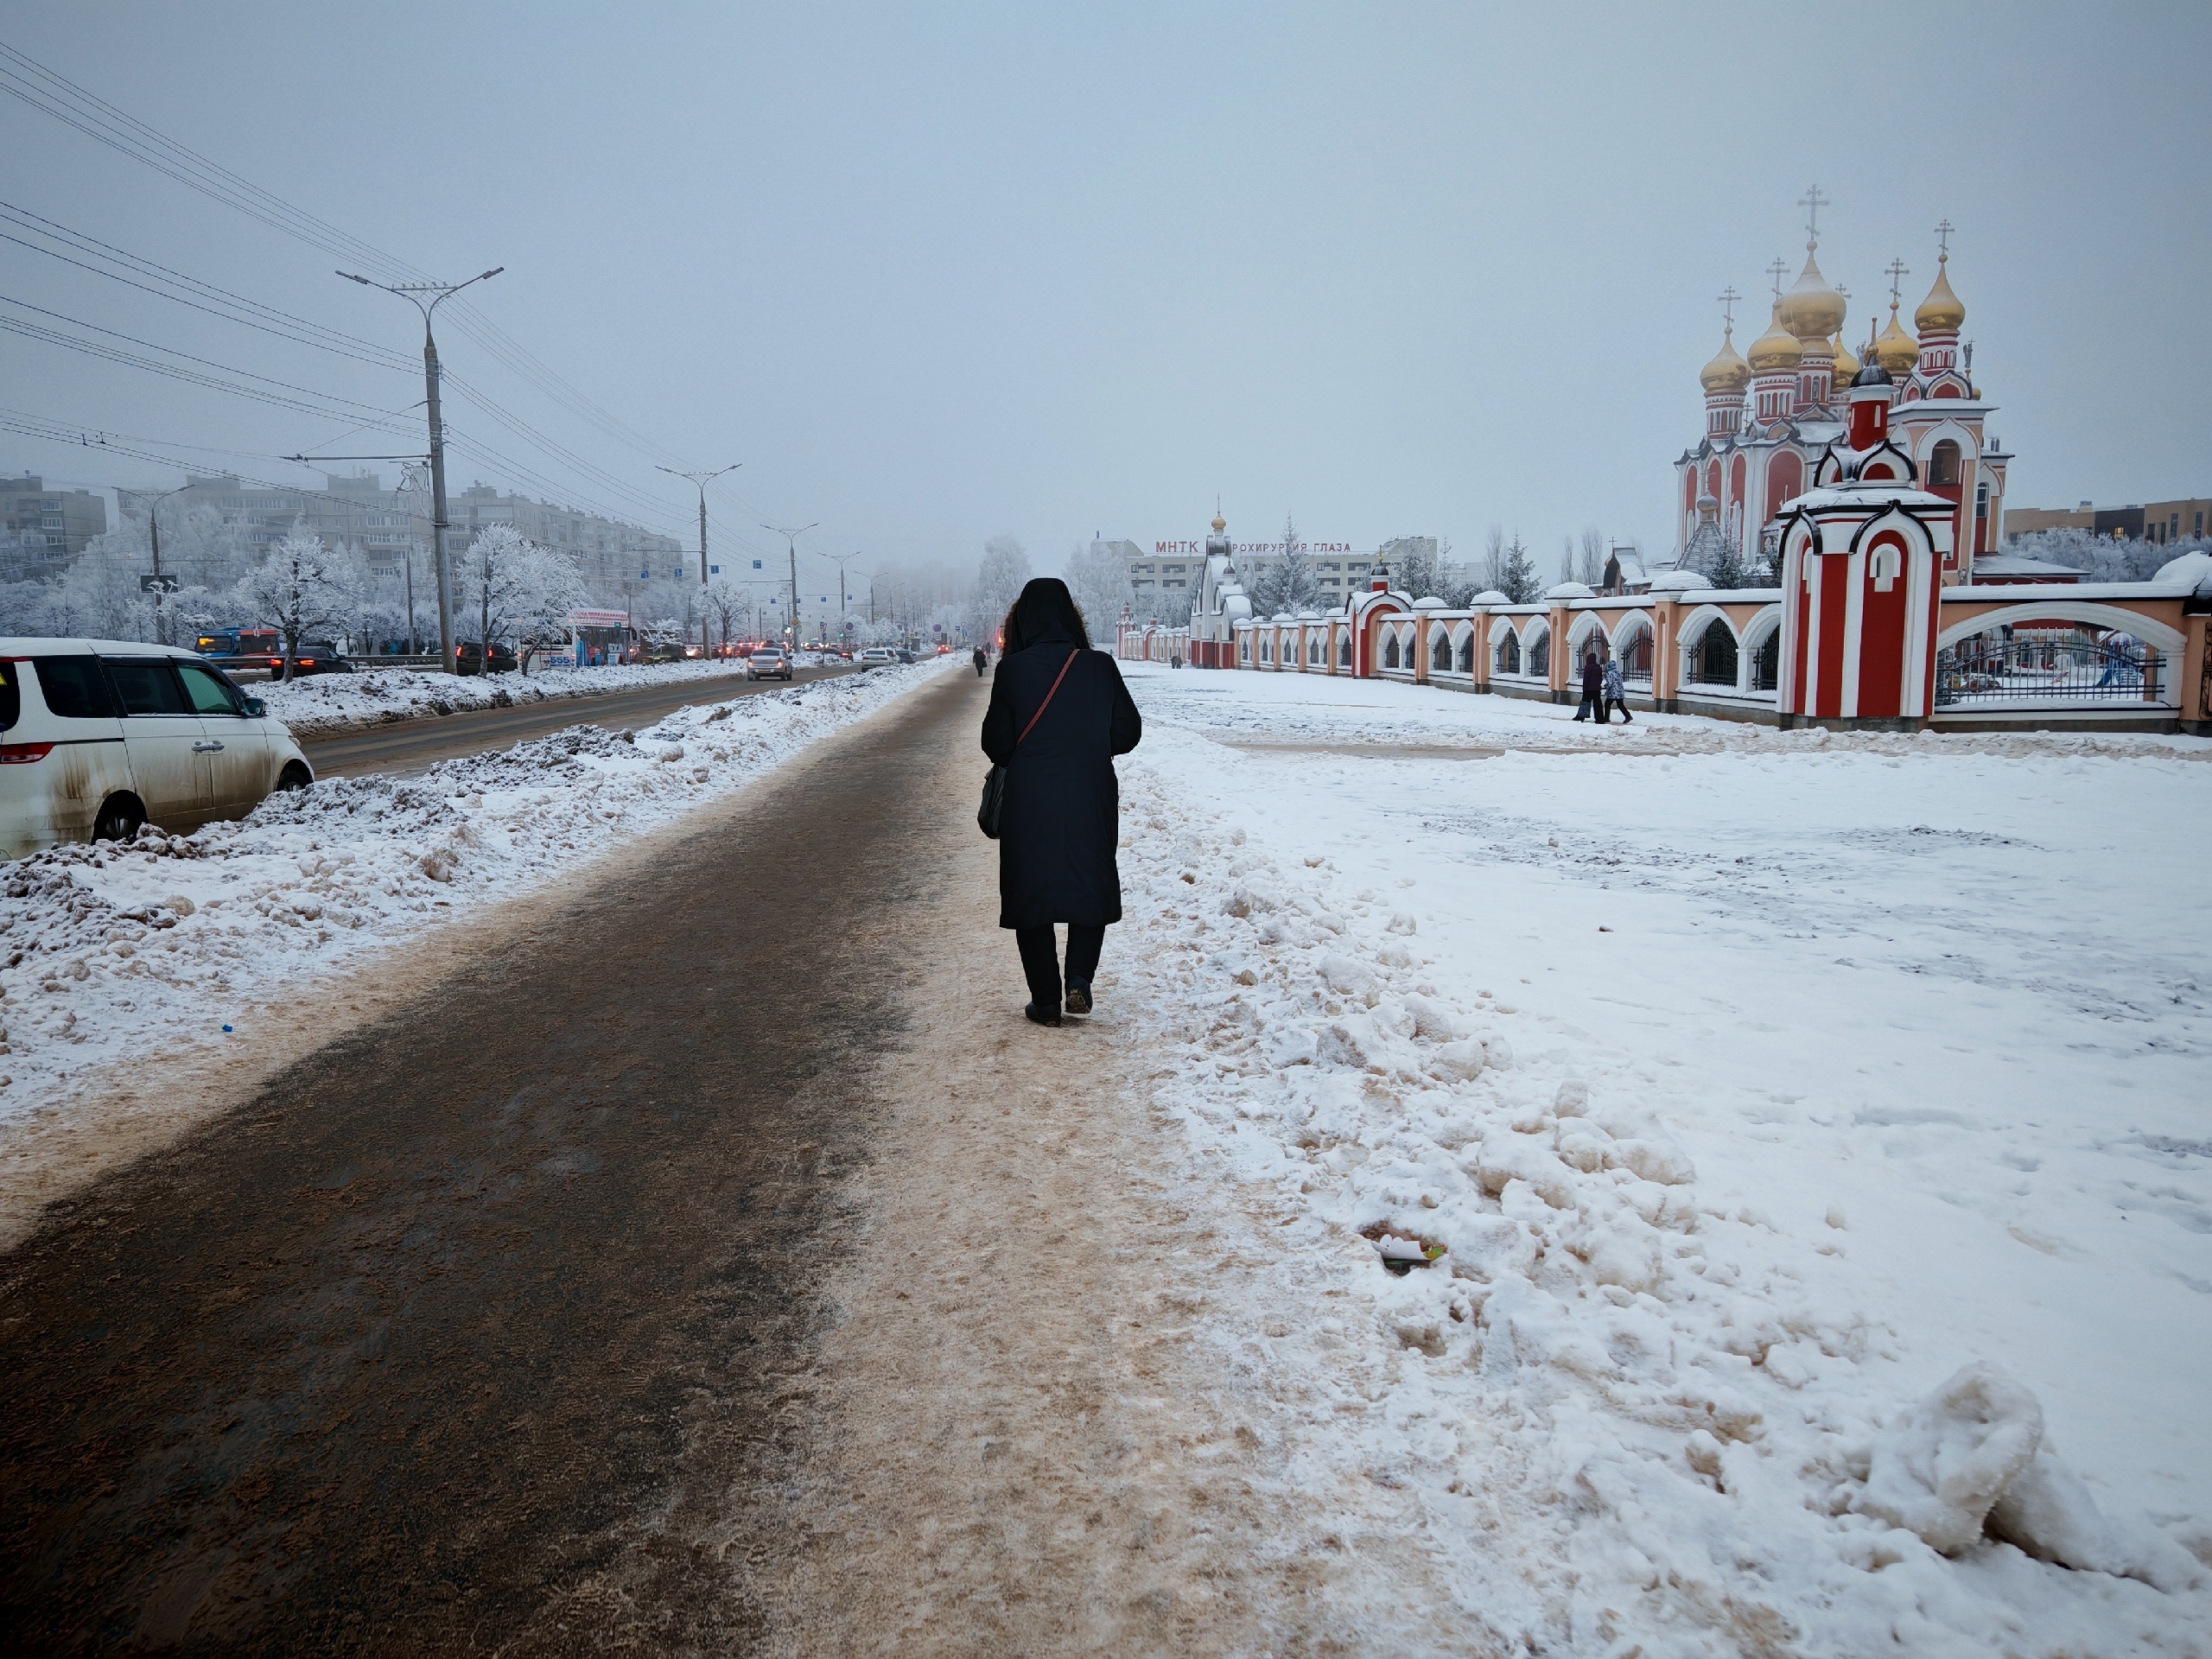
(981, 662)
(1594, 688)
(1058, 715)
(1616, 695)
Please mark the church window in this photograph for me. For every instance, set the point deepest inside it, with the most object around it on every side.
(1944, 465)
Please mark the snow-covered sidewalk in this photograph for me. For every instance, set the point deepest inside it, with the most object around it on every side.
(1755, 1086)
(140, 955)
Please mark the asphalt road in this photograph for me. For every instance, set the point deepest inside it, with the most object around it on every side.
(470, 1326)
(410, 745)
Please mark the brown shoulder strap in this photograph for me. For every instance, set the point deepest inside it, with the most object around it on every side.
(1047, 703)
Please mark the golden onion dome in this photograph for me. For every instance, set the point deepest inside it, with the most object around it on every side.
(1941, 310)
(1220, 523)
(1778, 348)
(1727, 372)
(1811, 310)
(1896, 349)
(1846, 365)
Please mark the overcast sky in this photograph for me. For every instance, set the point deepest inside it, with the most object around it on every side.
(935, 273)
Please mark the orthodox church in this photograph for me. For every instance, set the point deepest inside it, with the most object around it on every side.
(1773, 411)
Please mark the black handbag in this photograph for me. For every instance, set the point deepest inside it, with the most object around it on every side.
(993, 800)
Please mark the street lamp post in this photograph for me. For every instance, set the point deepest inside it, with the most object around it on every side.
(703, 478)
(791, 546)
(439, 293)
(153, 501)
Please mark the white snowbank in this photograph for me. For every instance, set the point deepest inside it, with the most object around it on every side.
(320, 704)
(1748, 1094)
(122, 953)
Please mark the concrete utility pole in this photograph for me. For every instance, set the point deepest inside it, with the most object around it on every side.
(790, 545)
(154, 528)
(701, 479)
(439, 293)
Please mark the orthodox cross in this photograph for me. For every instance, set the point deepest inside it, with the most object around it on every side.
(1943, 238)
(1778, 270)
(1812, 201)
(1728, 298)
(1898, 272)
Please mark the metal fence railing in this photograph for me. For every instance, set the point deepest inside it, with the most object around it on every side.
(1989, 668)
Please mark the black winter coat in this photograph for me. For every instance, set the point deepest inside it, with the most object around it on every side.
(1594, 678)
(1061, 816)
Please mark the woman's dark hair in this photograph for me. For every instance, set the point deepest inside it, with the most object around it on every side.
(1045, 611)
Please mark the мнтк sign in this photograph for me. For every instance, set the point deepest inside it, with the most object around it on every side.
(1310, 549)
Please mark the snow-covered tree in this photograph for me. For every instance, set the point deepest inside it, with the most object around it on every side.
(999, 581)
(301, 588)
(512, 589)
(1508, 568)
(2103, 558)
(1100, 582)
(1297, 587)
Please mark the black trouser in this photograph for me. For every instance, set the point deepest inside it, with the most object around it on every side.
(1040, 959)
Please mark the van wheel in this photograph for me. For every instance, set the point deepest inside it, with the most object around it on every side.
(121, 818)
(294, 776)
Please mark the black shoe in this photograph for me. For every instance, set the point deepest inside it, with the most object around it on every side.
(1042, 1016)
(1078, 996)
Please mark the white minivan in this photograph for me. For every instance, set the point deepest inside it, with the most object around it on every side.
(99, 736)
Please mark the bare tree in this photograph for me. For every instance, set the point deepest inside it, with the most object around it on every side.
(1593, 555)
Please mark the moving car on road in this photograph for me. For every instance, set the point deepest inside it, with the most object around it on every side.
(768, 662)
(468, 658)
(104, 735)
(877, 657)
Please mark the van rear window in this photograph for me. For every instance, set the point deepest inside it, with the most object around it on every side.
(12, 697)
(73, 688)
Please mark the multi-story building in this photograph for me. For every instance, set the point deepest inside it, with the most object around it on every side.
(41, 529)
(1178, 567)
(2153, 521)
(386, 525)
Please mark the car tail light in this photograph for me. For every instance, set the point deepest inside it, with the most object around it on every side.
(14, 754)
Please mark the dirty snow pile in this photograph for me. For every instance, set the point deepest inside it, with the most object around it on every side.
(115, 953)
(1796, 1168)
(322, 703)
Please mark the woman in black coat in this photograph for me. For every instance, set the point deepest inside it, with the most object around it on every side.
(1060, 818)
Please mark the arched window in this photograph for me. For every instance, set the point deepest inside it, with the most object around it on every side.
(1313, 651)
(1766, 663)
(1244, 646)
(1440, 654)
(1467, 653)
(1540, 655)
(1344, 651)
(1944, 465)
(1509, 654)
(1391, 649)
(1712, 659)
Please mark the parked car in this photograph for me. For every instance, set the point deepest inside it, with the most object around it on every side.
(663, 652)
(877, 657)
(468, 658)
(905, 654)
(100, 736)
(768, 663)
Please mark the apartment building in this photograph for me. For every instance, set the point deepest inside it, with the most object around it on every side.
(41, 529)
(2153, 521)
